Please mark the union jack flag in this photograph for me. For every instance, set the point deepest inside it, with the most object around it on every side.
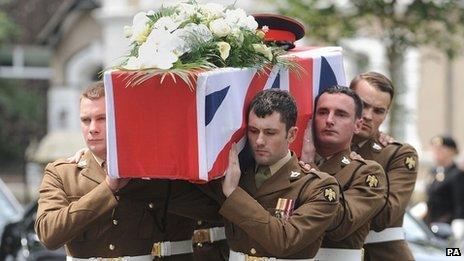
(163, 130)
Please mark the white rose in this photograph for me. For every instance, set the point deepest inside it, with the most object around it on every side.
(140, 28)
(251, 23)
(212, 10)
(185, 10)
(224, 49)
(234, 16)
(219, 27)
(166, 23)
(158, 51)
(127, 31)
(264, 50)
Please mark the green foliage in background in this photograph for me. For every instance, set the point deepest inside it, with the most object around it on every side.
(397, 24)
(19, 113)
(19, 119)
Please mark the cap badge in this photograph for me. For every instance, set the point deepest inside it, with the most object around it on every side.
(372, 181)
(295, 174)
(330, 194)
(345, 160)
(410, 163)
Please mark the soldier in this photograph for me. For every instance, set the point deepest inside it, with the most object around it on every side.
(337, 117)
(274, 210)
(281, 31)
(446, 193)
(96, 216)
(399, 161)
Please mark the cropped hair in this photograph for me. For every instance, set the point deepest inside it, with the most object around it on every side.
(274, 100)
(358, 105)
(94, 91)
(376, 80)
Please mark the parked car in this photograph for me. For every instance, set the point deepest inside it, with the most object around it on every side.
(10, 209)
(424, 244)
(20, 242)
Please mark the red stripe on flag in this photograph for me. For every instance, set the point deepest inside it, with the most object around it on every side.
(155, 128)
(302, 90)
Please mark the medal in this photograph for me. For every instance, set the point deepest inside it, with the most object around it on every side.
(284, 208)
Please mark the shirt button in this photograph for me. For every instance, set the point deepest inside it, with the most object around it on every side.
(151, 205)
(199, 222)
(111, 247)
(115, 222)
(253, 251)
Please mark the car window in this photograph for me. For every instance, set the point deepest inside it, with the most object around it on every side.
(9, 207)
(413, 230)
(7, 210)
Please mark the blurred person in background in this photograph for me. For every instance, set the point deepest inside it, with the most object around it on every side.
(446, 192)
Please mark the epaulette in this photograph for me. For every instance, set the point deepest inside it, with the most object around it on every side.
(318, 173)
(361, 160)
(396, 143)
(61, 162)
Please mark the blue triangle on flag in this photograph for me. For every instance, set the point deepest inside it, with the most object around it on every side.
(327, 78)
(212, 103)
(276, 83)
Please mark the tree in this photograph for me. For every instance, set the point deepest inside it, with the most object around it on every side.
(20, 108)
(399, 25)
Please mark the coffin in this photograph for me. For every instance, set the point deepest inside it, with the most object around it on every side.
(162, 129)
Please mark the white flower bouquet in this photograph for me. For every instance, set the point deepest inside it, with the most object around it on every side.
(185, 38)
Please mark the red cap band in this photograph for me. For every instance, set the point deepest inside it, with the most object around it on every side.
(279, 35)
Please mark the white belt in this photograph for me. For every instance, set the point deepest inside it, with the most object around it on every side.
(339, 254)
(388, 234)
(237, 256)
(124, 258)
(209, 235)
(168, 248)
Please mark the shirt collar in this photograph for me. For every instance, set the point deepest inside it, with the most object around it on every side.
(279, 164)
(98, 160)
(362, 143)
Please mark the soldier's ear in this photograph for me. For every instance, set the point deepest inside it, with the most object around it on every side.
(357, 125)
(291, 134)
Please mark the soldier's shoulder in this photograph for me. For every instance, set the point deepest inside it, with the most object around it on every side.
(355, 162)
(371, 163)
(400, 145)
(62, 164)
(321, 176)
(363, 166)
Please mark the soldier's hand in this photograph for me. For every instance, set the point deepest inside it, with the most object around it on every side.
(232, 178)
(355, 156)
(305, 166)
(308, 151)
(77, 156)
(116, 184)
(386, 139)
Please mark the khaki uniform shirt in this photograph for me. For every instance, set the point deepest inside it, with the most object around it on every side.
(77, 208)
(400, 164)
(364, 187)
(256, 226)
